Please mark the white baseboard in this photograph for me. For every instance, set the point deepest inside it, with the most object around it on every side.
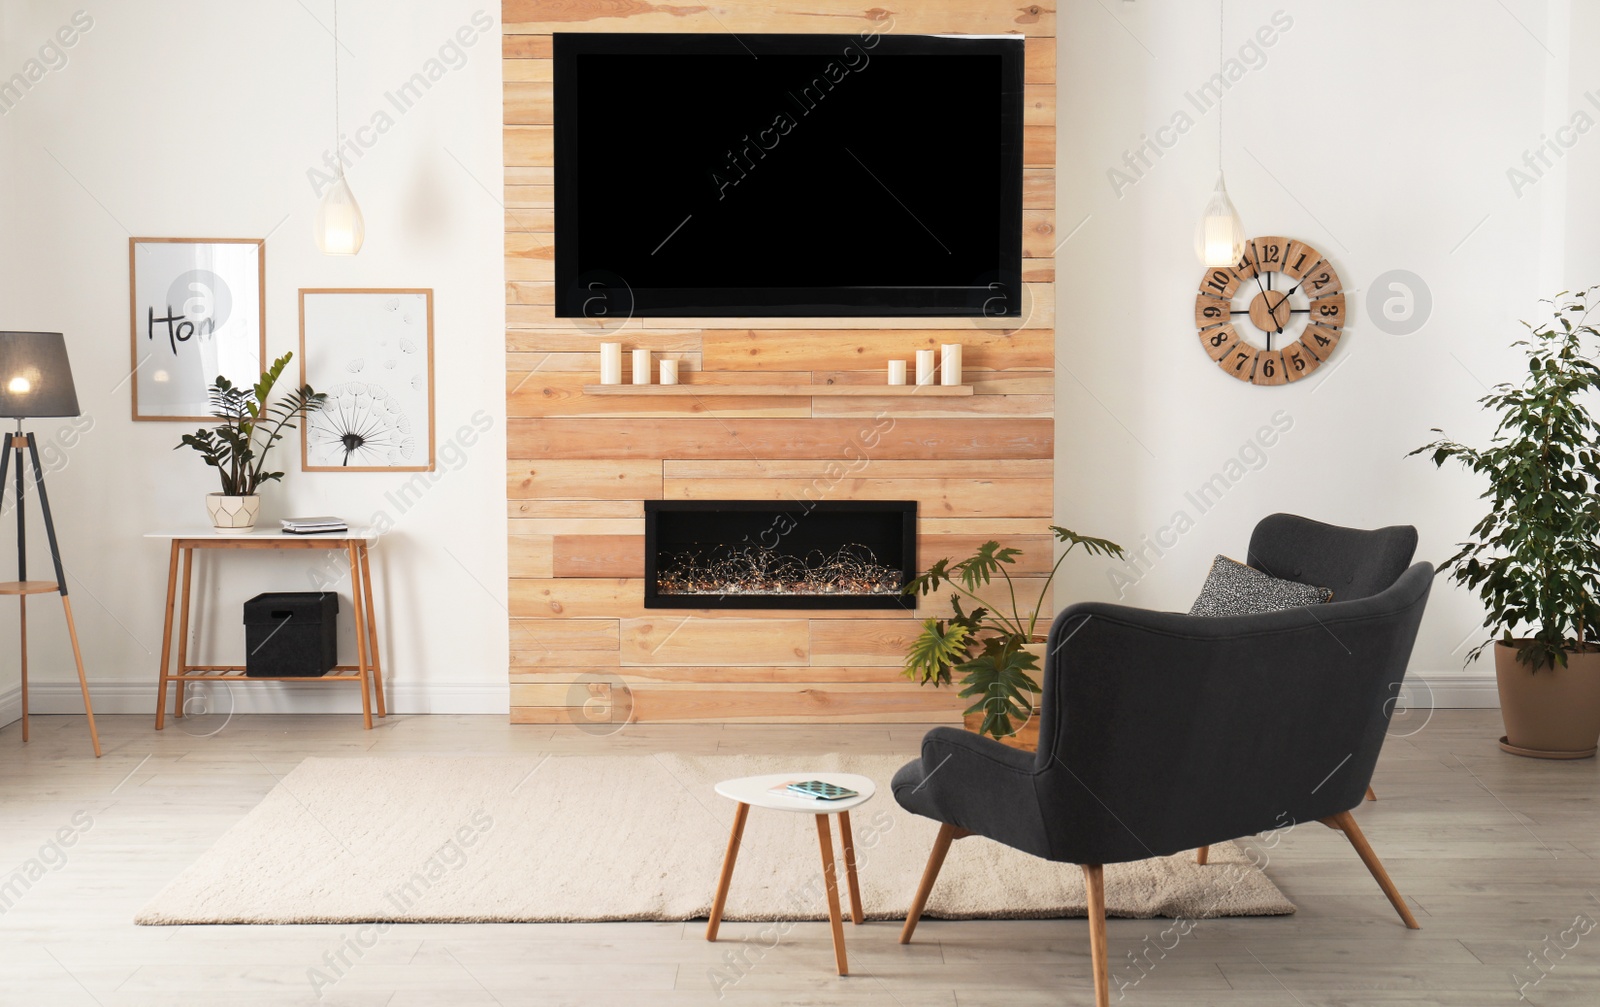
(1453, 690)
(265, 697)
(1438, 690)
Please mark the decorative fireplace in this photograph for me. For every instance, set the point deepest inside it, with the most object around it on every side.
(779, 554)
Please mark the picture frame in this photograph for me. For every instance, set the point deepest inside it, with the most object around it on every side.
(370, 349)
(197, 308)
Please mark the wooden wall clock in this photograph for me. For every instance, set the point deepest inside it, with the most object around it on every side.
(1275, 317)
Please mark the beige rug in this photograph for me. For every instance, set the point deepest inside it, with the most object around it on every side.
(585, 838)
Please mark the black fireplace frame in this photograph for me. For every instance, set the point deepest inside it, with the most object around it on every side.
(653, 509)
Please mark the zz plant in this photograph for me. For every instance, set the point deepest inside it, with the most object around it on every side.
(233, 448)
(986, 647)
(1534, 558)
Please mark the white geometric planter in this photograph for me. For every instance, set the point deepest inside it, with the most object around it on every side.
(233, 513)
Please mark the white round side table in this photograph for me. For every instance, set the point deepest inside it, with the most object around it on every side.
(756, 791)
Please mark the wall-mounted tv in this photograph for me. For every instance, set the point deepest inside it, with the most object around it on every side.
(788, 175)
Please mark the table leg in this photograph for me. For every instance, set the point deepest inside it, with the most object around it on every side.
(361, 634)
(372, 631)
(831, 877)
(183, 633)
(723, 881)
(849, 841)
(22, 612)
(166, 637)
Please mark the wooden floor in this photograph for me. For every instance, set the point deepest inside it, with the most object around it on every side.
(1499, 856)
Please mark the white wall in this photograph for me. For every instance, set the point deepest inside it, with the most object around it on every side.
(200, 119)
(1380, 132)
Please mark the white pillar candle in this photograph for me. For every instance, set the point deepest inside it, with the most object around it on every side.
(641, 367)
(897, 372)
(611, 363)
(925, 367)
(950, 364)
(669, 372)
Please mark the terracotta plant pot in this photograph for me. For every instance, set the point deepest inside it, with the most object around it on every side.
(233, 513)
(1552, 713)
(1024, 736)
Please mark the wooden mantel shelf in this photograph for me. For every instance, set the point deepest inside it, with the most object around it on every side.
(789, 391)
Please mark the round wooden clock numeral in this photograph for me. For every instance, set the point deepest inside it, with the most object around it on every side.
(1273, 318)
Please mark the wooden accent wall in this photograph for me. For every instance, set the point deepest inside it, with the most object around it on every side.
(579, 467)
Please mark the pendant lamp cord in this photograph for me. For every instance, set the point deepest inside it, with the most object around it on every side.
(1221, 6)
(336, 152)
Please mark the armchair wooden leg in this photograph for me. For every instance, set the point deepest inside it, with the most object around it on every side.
(1371, 795)
(941, 845)
(1094, 881)
(1346, 823)
(1202, 855)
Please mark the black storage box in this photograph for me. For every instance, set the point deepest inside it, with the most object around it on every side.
(292, 634)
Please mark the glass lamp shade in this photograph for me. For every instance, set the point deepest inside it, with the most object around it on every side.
(339, 228)
(35, 377)
(1219, 237)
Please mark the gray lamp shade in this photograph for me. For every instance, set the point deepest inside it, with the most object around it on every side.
(35, 377)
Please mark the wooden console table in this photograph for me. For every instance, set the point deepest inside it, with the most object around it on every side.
(353, 543)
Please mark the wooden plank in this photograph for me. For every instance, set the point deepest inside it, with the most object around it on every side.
(1039, 61)
(577, 661)
(522, 363)
(671, 639)
(834, 703)
(1038, 311)
(566, 634)
(1038, 188)
(524, 175)
(983, 382)
(1038, 233)
(967, 497)
(528, 46)
(528, 340)
(1038, 551)
(541, 196)
(560, 694)
(535, 219)
(535, 145)
(1039, 270)
(573, 509)
(597, 556)
(520, 70)
(1038, 147)
(557, 393)
(530, 556)
(1038, 104)
(535, 527)
(914, 407)
(532, 102)
(636, 675)
(881, 642)
(583, 479)
(541, 17)
(793, 468)
(984, 528)
(562, 439)
(870, 349)
(807, 390)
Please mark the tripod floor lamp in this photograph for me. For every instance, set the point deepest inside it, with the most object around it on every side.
(36, 381)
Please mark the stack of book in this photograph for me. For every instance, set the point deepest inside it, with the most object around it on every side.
(313, 525)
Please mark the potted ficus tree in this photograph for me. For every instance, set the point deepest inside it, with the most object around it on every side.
(1534, 559)
(234, 448)
(995, 648)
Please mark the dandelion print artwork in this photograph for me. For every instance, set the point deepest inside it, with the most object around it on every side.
(371, 351)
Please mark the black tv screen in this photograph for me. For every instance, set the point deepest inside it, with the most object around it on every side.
(787, 175)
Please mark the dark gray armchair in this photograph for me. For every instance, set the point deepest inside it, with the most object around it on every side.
(1162, 732)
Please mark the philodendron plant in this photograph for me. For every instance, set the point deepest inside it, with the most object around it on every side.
(985, 646)
(1534, 558)
(232, 447)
